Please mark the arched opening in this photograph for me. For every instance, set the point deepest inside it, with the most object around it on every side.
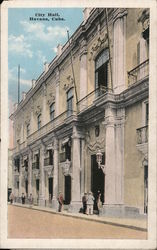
(97, 180)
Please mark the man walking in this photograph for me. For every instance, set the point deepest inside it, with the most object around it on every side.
(84, 202)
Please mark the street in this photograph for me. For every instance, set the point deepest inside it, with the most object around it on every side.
(29, 223)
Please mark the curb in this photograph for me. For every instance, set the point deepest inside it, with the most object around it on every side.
(83, 218)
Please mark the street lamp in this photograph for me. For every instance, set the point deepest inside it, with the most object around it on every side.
(99, 161)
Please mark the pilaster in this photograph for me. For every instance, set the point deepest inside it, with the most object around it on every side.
(119, 52)
(55, 174)
(42, 177)
(75, 204)
(30, 179)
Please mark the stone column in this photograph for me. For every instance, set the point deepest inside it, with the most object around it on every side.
(82, 167)
(42, 177)
(119, 53)
(83, 74)
(44, 109)
(30, 179)
(75, 204)
(114, 162)
(20, 180)
(57, 93)
(55, 174)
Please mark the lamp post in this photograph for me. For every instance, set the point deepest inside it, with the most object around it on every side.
(99, 161)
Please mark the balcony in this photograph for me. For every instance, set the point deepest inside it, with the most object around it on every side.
(48, 161)
(35, 165)
(88, 100)
(138, 73)
(49, 127)
(142, 139)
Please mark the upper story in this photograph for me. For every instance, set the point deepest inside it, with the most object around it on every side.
(108, 53)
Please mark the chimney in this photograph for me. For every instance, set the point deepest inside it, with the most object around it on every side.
(33, 83)
(46, 66)
(59, 49)
(23, 95)
(86, 13)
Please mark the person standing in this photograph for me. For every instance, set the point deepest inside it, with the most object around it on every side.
(60, 201)
(84, 202)
(11, 198)
(23, 198)
(99, 202)
(90, 203)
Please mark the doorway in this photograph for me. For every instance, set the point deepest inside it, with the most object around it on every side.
(145, 189)
(26, 187)
(97, 180)
(50, 188)
(67, 193)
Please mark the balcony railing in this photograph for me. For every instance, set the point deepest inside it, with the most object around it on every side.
(138, 73)
(59, 120)
(35, 165)
(48, 161)
(88, 100)
(142, 135)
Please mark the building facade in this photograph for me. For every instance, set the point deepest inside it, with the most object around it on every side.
(83, 126)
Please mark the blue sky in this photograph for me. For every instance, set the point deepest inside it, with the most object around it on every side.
(31, 43)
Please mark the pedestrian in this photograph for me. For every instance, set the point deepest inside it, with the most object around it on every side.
(30, 199)
(60, 201)
(90, 203)
(99, 202)
(11, 198)
(84, 202)
(23, 198)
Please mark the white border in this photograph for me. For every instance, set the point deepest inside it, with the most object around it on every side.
(78, 244)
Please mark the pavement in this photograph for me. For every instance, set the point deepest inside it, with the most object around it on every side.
(132, 223)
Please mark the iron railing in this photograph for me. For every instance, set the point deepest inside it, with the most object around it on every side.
(48, 161)
(138, 73)
(88, 100)
(35, 165)
(142, 135)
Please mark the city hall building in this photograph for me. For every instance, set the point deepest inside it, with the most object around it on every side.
(83, 126)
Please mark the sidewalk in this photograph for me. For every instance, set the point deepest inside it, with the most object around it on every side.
(132, 223)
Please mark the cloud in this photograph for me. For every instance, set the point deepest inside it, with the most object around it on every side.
(41, 57)
(44, 33)
(12, 76)
(54, 49)
(19, 45)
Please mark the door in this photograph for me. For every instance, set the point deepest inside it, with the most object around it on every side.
(50, 188)
(145, 189)
(26, 187)
(67, 194)
(97, 180)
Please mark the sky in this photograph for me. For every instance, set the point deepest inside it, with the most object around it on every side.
(32, 42)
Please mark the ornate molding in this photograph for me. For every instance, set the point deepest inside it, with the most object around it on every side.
(49, 170)
(51, 98)
(38, 110)
(98, 144)
(102, 42)
(70, 83)
(66, 168)
(36, 173)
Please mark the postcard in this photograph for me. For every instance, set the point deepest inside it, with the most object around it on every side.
(78, 124)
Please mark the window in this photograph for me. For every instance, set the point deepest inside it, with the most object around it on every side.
(147, 113)
(39, 121)
(70, 102)
(101, 70)
(28, 129)
(52, 111)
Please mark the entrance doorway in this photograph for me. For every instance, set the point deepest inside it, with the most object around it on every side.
(145, 189)
(97, 180)
(50, 188)
(67, 193)
(26, 187)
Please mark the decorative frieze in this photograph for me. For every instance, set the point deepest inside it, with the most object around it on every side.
(101, 42)
(66, 168)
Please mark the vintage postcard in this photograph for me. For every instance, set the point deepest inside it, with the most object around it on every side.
(78, 124)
